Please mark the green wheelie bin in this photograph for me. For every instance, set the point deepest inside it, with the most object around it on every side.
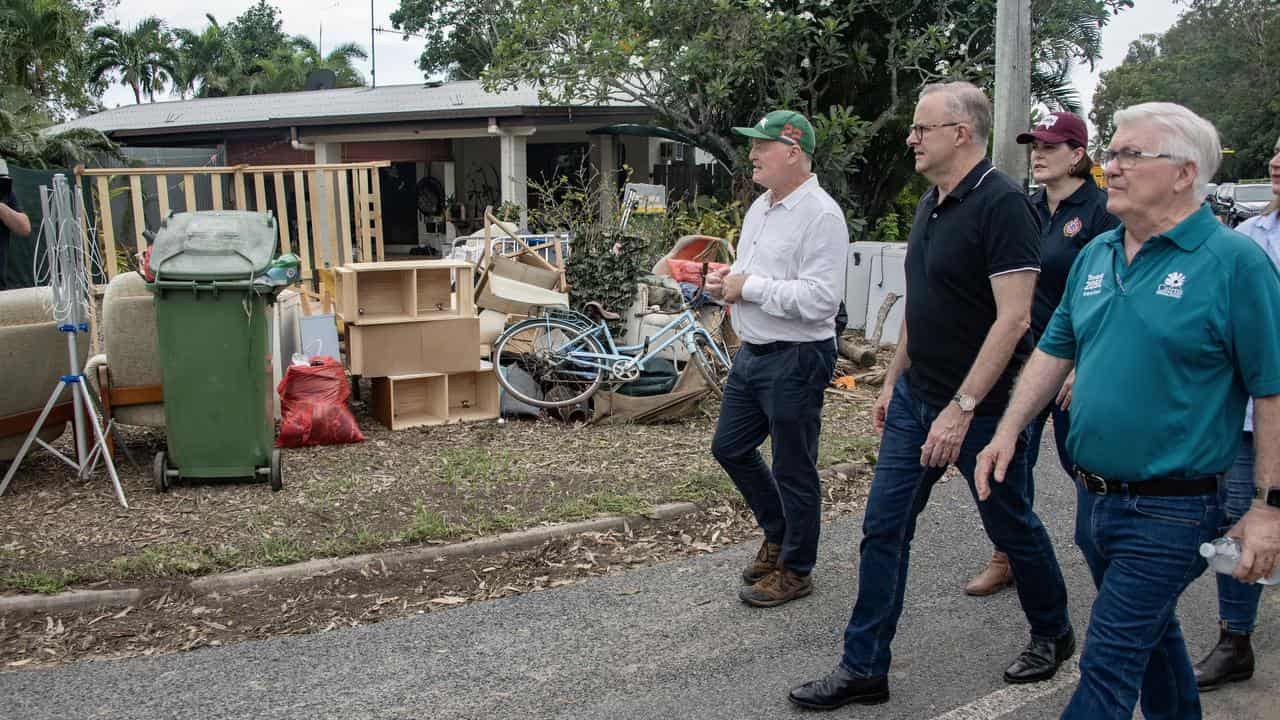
(215, 356)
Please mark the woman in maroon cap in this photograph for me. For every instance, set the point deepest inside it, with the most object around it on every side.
(1072, 211)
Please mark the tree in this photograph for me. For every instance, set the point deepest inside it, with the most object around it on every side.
(209, 64)
(42, 50)
(1221, 59)
(23, 143)
(288, 68)
(705, 65)
(142, 57)
(461, 36)
(257, 33)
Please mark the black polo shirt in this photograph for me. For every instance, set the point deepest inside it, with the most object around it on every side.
(985, 227)
(1080, 217)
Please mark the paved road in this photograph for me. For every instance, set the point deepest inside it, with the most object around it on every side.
(670, 641)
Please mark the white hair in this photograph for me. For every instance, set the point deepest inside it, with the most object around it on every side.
(1187, 136)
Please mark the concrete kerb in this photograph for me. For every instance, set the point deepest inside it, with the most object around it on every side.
(230, 582)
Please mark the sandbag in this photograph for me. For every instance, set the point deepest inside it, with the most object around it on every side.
(313, 405)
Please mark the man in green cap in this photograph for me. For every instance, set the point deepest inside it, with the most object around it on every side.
(783, 291)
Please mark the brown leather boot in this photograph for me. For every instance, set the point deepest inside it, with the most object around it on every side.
(778, 587)
(996, 576)
(765, 562)
(1231, 660)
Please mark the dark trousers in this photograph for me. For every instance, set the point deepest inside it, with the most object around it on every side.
(899, 493)
(1237, 601)
(1142, 553)
(778, 395)
(1035, 431)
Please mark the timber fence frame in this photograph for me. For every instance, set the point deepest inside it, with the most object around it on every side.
(336, 208)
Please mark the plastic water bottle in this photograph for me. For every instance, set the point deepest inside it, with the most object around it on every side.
(1224, 553)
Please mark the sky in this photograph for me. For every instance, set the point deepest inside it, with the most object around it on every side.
(348, 21)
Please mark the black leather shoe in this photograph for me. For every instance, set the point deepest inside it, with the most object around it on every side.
(1231, 660)
(1042, 658)
(839, 688)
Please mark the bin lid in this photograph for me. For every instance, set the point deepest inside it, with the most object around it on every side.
(213, 245)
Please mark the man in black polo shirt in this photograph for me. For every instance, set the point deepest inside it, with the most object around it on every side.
(972, 262)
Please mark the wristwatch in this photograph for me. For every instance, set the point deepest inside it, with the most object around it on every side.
(966, 402)
(1270, 496)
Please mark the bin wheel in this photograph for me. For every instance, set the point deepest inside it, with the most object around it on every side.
(277, 472)
(160, 473)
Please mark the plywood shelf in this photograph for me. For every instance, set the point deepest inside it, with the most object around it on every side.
(424, 346)
(425, 399)
(390, 292)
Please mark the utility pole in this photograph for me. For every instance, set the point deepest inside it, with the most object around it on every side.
(1013, 86)
(373, 50)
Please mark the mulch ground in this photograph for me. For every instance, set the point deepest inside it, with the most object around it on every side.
(395, 490)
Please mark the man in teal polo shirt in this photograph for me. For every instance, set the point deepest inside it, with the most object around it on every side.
(1172, 322)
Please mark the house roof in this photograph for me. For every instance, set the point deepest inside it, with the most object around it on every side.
(392, 103)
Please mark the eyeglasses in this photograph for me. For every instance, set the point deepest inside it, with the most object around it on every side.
(918, 131)
(1128, 157)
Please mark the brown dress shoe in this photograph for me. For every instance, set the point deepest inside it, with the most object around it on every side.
(996, 576)
(765, 562)
(778, 587)
(1230, 661)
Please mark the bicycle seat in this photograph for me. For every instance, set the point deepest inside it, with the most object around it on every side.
(596, 312)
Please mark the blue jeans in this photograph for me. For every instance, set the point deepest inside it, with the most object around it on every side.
(1142, 553)
(1237, 601)
(899, 493)
(778, 396)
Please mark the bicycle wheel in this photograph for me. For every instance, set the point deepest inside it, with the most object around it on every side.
(710, 359)
(543, 348)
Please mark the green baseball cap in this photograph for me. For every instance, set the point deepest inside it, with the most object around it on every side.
(786, 126)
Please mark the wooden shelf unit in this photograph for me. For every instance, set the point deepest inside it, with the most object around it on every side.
(404, 291)
(405, 401)
(446, 345)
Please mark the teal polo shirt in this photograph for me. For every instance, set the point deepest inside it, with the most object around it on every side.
(1167, 349)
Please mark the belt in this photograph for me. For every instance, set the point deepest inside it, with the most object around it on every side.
(1163, 487)
(768, 348)
(778, 346)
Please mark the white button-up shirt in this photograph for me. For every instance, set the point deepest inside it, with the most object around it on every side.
(1264, 230)
(795, 252)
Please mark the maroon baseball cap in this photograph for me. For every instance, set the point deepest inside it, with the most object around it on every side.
(1059, 127)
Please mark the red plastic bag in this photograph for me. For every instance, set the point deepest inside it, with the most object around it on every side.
(313, 405)
(690, 271)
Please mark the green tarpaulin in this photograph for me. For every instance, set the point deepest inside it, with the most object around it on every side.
(26, 185)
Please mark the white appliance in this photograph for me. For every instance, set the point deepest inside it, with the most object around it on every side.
(857, 281)
(888, 274)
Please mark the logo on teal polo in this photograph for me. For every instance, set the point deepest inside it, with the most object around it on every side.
(1172, 285)
(1093, 284)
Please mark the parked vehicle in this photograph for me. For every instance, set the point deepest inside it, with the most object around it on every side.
(1209, 191)
(1243, 201)
(1218, 202)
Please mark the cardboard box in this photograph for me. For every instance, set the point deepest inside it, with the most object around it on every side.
(517, 298)
(432, 346)
(525, 269)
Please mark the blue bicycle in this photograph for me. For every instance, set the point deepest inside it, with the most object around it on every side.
(570, 355)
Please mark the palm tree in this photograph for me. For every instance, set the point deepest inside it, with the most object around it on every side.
(41, 34)
(1065, 32)
(288, 68)
(208, 62)
(143, 56)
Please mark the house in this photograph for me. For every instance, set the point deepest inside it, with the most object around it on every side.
(481, 148)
